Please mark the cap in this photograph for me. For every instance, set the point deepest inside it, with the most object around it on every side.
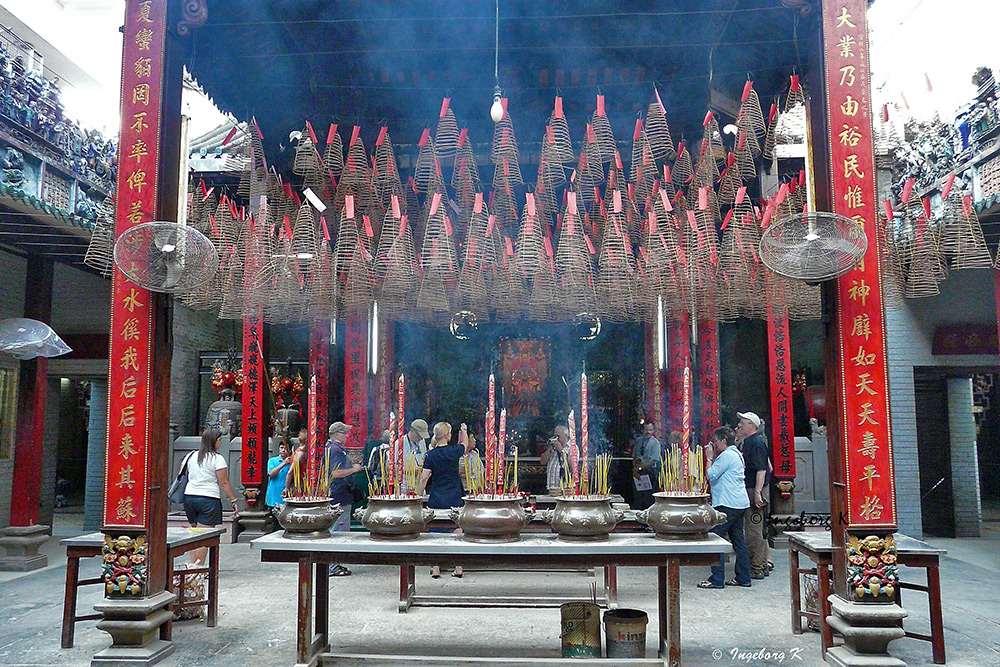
(339, 427)
(750, 417)
(420, 426)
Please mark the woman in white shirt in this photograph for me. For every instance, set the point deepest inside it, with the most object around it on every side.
(207, 479)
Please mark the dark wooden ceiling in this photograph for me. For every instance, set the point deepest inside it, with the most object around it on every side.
(378, 61)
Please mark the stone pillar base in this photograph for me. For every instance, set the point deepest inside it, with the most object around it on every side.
(252, 525)
(867, 629)
(21, 544)
(134, 626)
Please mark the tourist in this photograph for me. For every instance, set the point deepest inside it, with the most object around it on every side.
(554, 456)
(646, 453)
(441, 469)
(749, 430)
(340, 470)
(378, 456)
(725, 474)
(277, 472)
(207, 480)
(415, 441)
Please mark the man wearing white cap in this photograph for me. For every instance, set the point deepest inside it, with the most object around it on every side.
(757, 461)
(341, 471)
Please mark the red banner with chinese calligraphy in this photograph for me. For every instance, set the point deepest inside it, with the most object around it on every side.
(356, 385)
(319, 371)
(678, 358)
(779, 355)
(656, 398)
(867, 441)
(708, 377)
(254, 409)
(130, 350)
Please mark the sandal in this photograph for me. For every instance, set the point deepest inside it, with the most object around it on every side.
(733, 582)
(708, 584)
(435, 575)
(457, 575)
(339, 571)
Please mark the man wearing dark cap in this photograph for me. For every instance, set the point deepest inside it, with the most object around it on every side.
(341, 470)
(749, 431)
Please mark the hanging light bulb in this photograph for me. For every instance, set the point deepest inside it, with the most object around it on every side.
(496, 111)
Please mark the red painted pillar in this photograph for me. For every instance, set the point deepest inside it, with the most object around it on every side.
(25, 499)
(319, 367)
(708, 378)
(253, 415)
(678, 358)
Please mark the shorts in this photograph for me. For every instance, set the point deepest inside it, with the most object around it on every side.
(202, 510)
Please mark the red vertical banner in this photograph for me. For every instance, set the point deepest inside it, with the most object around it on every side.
(780, 376)
(708, 377)
(869, 482)
(319, 367)
(254, 409)
(678, 358)
(384, 386)
(656, 398)
(356, 385)
(130, 350)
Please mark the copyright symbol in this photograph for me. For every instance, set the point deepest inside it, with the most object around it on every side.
(717, 654)
(756, 518)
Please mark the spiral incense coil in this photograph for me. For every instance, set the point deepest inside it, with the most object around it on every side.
(751, 114)
(446, 134)
(544, 304)
(550, 167)
(560, 133)
(770, 139)
(504, 142)
(751, 139)
(616, 278)
(603, 134)
(100, 249)
(306, 157)
(805, 302)
(658, 131)
(574, 267)
(962, 235)
(745, 158)
(507, 291)
(682, 170)
(466, 171)
(892, 269)
(333, 152)
(400, 274)
(729, 182)
(324, 293)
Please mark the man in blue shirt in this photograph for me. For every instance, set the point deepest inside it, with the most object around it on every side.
(341, 470)
(729, 495)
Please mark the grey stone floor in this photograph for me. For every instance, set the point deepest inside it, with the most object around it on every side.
(257, 614)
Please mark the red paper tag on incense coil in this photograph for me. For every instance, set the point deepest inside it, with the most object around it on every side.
(288, 226)
(287, 189)
(792, 186)
(570, 203)
(889, 214)
(616, 201)
(772, 113)
(618, 161)
(907, 190)
(215, 228)
(548, 246)
(477, 204)
(296, 198)
(741, 142)
(461, 136)
(395, 206)
(656, 93)
(631, 190)
(447, 225)
(558, 110)
(331, 133)
(947, 186)
(741, 192)
(590, 246)
(725, 221)
(665, 199)
(503, 103)
(257, 127)
(703, 198)
(747, 87)
(651, 222)
(779, 198)
(550, 134)
(926, 201)
(322, 222)
(490, 224)
(591, 137)
(312, 134)
(692, 221)
(402, 226)
(529, 202)
(637, 132)
(424, 136)
(766, 219)
(369, 232)
(510, 246)
(503, 137)
(731, 159)
(600, 105)
(381, 135)
(967, 206)
(349, 206)
(708, 118)
(794, 80)
(354, 134)
(680, 149)
(444, 107)
(435, 203)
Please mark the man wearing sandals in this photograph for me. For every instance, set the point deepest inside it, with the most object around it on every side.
(729, 496)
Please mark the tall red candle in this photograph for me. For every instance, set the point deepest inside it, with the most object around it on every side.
(584, 435)
(491, 438)
(686, 428)
(391, 464)
(501, 449)
(396, 451)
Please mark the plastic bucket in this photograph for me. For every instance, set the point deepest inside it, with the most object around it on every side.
(626, 633)
(581, 630)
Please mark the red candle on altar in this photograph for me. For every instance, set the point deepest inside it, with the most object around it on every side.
(314, 455)
(574, 459)
(501, 449)
(584, 435)
(686, 428)
(391, 463)
(491, 438)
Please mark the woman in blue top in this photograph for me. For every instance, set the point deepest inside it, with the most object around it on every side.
(442, 471)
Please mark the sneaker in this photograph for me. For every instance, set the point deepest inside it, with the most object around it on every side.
(758, 576)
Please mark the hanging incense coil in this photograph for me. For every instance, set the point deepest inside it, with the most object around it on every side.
(657, 130)
(234, 281)
(423, 169)
(616, 278)
(465, 164)
(771, 137)
(683, 168)
(507, 291)
(729, 182)
(504, 142)
(333, 152)
(892, 272)
(750, 116)
(805, 302)
(550, 165)
(642, 171)
(796, 95)
(744, 156)
(544, 303)
(100, 248)
(603, 134)
(385, 170)
(396, 267)
(923, 272)
(559, 134)
(438, 263)
(446, 134)
(962, 235)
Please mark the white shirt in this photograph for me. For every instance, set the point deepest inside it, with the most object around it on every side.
(417, 450)
(202, 480)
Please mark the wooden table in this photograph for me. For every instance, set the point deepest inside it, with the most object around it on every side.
(179, 541)
(534, 550)
(911, 552)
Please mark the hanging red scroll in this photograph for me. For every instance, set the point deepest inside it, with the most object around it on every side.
(869, 483)
(782, 419)
(708, 377)
(130, 352)
(384, 386)
(656, 399)
(678, 358)
(356, 385)
(254, 409)
(319, 370)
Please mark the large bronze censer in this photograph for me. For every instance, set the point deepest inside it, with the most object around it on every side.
(583, 518)
(492, 518)
(680, 516)
(394, 518)
(308, 518)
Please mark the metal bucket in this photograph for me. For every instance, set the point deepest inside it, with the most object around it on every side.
(625, 630)
(581, 630)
